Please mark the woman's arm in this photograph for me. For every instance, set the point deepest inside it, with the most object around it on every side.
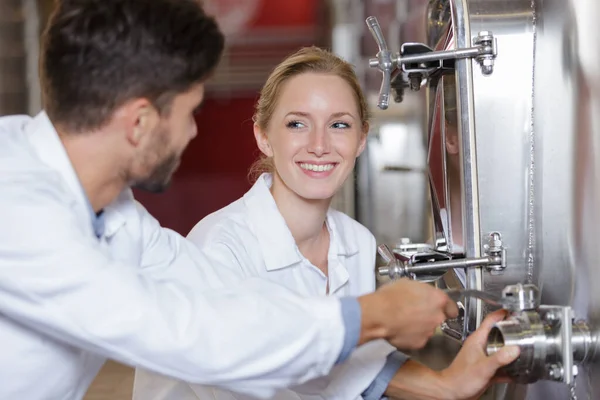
(469, 375)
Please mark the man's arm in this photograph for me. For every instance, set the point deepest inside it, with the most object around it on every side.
(252, 337)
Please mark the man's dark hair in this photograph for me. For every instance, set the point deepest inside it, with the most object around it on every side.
(99, 54)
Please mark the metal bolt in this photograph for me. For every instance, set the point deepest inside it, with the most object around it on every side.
(415, 81)
(555, 372)
(483, 38)
(487, 66)
(551, 316)
(494, 242)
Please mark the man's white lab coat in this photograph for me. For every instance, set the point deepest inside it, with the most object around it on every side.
(253, 237)
(139, 294)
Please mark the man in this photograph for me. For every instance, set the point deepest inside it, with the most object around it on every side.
(87, 274)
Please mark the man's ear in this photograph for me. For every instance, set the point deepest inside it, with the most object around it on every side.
(262, 141)
(139, 118)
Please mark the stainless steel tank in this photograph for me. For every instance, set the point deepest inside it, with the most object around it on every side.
(513, 97)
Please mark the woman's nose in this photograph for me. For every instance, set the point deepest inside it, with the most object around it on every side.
(319, 142)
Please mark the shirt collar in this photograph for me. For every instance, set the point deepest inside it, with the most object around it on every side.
(47, 145)
(275, 239)
(346, 241)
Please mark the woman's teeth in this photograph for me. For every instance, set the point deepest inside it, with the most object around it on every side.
(318, 168)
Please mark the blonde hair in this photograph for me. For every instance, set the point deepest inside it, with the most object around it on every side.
(307, 59)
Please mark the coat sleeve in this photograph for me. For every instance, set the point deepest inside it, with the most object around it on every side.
(248, 336)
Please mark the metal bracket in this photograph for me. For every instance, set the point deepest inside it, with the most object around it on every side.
(419, 61)
(559, 320)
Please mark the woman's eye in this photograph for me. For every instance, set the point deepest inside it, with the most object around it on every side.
(340, 125)
(295, 124)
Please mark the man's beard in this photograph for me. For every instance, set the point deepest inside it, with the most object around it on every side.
(160, 178)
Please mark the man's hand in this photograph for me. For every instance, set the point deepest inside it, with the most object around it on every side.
(472, 371)
(405, 312)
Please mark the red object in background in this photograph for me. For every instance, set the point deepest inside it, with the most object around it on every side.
(286, 13)
(214, 169)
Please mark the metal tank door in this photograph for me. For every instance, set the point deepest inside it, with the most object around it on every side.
(446, 73)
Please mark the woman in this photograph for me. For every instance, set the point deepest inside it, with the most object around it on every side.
(311, 124)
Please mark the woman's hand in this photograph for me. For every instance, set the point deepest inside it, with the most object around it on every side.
(472, 371)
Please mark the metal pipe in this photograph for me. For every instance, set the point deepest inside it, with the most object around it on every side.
(543, 345)
(513, 334)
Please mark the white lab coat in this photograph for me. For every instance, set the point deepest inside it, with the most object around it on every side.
(140, 294)
(253, 234)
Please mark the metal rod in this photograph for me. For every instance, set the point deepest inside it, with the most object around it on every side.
(441, 55)
(460, 263)
(489, 298)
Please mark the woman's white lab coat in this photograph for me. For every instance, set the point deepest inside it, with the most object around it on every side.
(254, 237)
(139, 294)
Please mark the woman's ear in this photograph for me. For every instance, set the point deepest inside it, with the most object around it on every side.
(262, 141)
(363, 139)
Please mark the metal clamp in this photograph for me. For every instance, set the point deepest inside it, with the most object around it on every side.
(417, 60)
(495, 248)
(488, 43)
